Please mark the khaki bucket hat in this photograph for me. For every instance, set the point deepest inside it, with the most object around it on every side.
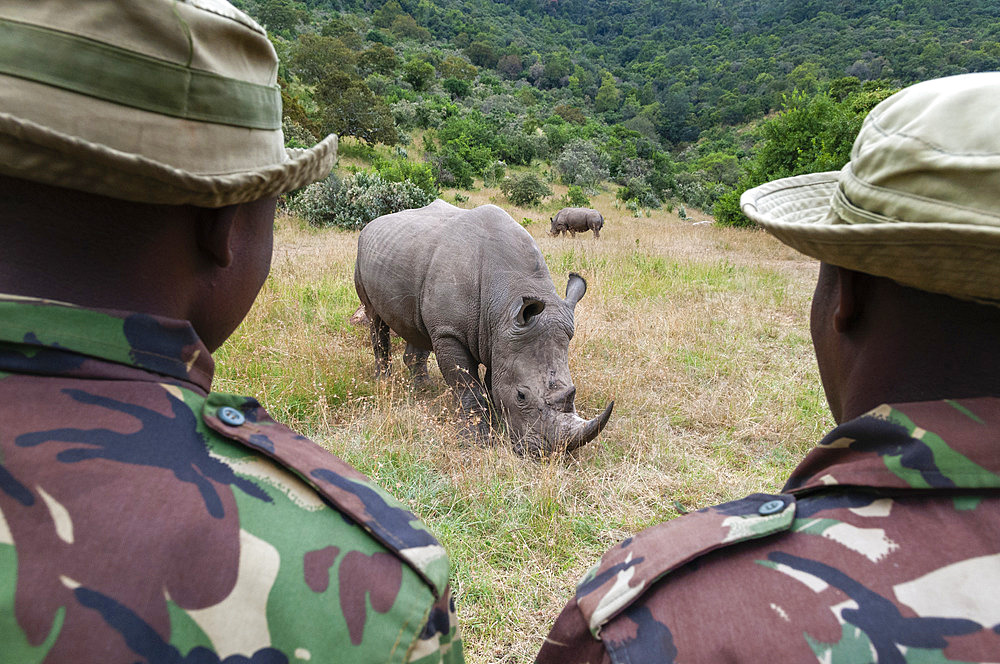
(158, 101)
(919, 202)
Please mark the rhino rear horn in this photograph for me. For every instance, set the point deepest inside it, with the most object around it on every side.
(576, 287)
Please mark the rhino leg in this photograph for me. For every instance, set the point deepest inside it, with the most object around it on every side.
(597, 233)
(461, 371)
(415, 360)
(380, 345)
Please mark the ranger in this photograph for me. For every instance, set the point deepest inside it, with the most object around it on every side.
(143, 517)
(884, 544)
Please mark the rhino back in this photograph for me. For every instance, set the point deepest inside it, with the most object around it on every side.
(579, 218)
(441, 270)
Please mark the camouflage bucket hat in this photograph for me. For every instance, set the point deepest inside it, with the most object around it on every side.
(919, 202)
(159, 101)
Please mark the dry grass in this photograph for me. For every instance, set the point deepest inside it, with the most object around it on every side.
(699, 334)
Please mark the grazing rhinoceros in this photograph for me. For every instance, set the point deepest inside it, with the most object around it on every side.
(472, 286)
(576, 220)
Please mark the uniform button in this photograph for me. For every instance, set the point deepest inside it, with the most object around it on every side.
(771, 506)
(233, 417)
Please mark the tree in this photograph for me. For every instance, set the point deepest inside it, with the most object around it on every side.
(456, 86)
(293, 111)
(315, 56)
(570, 114)
(378, 58)
(279, 15)
(454, 66)
(580, 164)
(608, 95)
(510, 66)
(418, 73)
(406, 26)
(556, 71)
(351, 109)
(481, 54)
(812, 133)
(384, 16)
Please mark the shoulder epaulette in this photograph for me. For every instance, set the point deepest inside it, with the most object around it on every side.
(349, 491)
(628, 569)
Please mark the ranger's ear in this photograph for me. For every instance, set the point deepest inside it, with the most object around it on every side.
(575, 289)
(530, 307)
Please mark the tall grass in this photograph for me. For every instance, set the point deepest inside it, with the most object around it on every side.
(699, 334)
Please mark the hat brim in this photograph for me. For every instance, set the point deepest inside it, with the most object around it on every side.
(35, 152)
(935, 257)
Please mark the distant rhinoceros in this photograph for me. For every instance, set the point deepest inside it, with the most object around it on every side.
(472, 286)
(576, 220)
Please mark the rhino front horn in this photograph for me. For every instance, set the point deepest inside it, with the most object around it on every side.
(589, 429)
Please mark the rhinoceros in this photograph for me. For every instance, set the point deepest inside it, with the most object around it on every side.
(472, 286)
(576, 220)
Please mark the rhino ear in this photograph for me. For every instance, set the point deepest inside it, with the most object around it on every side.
(575, 289)
(530, 307)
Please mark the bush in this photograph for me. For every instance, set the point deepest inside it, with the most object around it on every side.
(354, 201)
(580, 164)
(457, 87)
(296, 136)
(451, 169)
(526, 189)
(727, 210)
(575, 198)
(418, 73)
(402, 170)
(517, 147)
(639, 191)
(494, 173)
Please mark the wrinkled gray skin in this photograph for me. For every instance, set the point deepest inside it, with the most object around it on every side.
(472, 286)
(576, 220)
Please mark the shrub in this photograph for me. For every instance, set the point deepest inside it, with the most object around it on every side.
(581, 165)
(451, 169)
(727, 210)
(494, 173)
(354, 201)
(456, 86)
(403, 170)
(418, 73)
(526, 189)
(575, 198)
(517, 147)
(639, 191)
(296, 136)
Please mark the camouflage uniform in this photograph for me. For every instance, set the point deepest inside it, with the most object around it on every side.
(144, 519)
(884, 546)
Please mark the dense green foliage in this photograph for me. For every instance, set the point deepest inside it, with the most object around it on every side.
(357, 199)
(524, 189)
(666, 99)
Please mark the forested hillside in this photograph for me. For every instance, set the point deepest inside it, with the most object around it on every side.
(665, 100)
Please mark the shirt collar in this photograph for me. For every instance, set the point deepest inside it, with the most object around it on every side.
(45, 337)
(947, 444)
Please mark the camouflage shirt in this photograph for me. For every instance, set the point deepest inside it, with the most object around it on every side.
(883, 547)
(145, 519)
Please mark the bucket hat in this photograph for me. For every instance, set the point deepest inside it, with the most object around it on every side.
(919, 201)
(159, 101)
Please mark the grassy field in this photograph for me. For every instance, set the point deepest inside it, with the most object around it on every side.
(699, 334)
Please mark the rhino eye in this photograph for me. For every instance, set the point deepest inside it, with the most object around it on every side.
(521, 398)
